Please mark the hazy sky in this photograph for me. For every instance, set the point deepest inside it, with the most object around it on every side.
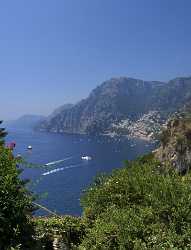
(55, 51)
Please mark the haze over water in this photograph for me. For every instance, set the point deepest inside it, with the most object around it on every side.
(65, 181)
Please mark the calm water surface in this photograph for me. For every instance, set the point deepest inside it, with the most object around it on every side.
(65, 186)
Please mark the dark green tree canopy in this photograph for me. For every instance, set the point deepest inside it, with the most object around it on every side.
(3, 133)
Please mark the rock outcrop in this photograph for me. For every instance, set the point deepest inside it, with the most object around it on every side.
(175, 146)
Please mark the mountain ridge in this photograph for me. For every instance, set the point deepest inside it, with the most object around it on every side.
(119, 99)
(25, 121)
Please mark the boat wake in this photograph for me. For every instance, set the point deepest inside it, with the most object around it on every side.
(59, 161)
(61, 169)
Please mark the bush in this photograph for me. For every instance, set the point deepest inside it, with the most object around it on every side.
(3, 133)
(139, 207)
(69, 230)
(15, 205)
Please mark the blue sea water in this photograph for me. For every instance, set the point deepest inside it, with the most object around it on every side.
(65, 181)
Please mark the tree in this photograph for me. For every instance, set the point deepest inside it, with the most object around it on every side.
(3, 133)
(15, 204)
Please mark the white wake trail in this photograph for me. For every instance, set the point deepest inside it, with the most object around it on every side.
(59, 161)
(61, 169)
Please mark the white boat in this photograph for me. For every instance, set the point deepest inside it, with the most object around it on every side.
(87, 158)
(29, 147)
(18, 156)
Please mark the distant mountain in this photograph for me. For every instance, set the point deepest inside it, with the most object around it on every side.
(59, 110)
(122, 101)
(25, 121)
(41, 125)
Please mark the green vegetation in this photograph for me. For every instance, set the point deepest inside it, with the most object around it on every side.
(3, 133)
(144, 205)
(68, 230)
(141, 206)
(15, 204)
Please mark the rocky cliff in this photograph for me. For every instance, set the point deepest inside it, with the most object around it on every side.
(175, 140)
(123, 104)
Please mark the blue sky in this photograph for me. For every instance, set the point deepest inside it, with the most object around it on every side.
(55, 52)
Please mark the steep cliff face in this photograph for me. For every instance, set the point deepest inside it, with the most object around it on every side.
(120, 99)
(176, 143)
(175, 94)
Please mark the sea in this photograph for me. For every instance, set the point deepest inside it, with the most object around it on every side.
(57, 173)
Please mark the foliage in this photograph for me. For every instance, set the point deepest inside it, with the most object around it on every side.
(3, 133)
(15, 204)
(70, 230)
(142, 206)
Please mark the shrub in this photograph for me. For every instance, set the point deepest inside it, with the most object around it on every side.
(15, 205)
(139, 207)
(70, 230)
(3, 133)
